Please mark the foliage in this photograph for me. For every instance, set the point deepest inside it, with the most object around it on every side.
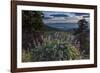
(26, 56)
(31, 20)
(82, 35)
(55, 48)
(73, 53)
(83, 26)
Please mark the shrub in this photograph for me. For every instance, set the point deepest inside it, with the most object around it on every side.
(73, 53)
(26, 56)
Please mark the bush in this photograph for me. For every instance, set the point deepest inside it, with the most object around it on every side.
(55, 48)
(26, 56)
(73, 53)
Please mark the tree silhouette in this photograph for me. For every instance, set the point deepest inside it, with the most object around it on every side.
(82, 34)
(31, 26)
(32, 20)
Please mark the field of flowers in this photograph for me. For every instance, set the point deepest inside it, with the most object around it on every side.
(55, 46)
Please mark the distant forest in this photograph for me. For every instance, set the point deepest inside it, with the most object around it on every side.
(40, 43)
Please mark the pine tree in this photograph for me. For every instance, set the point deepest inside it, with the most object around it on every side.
(82, 34)
(31, 26)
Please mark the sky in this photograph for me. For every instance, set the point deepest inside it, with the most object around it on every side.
(48, 14)
(70, 14)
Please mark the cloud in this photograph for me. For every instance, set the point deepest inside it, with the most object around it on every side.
(70, 14)
(48, 13)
